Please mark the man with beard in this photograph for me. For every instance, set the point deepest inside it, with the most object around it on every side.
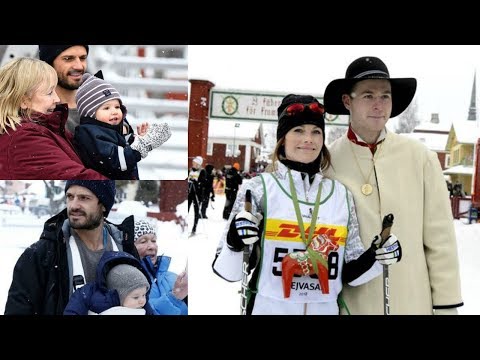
(70, 63)
(69, 249)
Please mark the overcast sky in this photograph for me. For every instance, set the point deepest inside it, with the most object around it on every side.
(444, 72)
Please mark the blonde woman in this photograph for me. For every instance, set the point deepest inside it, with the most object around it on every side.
(33, 141)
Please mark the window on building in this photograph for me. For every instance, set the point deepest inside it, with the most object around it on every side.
(229, 150)
(447, 161)
(455, 157)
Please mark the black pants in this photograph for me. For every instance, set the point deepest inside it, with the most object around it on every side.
(205, 206)
(196, 208)
(231, 196)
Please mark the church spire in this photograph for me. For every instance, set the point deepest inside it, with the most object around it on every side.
(472, 111)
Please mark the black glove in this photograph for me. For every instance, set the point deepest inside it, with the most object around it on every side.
(244, 230)
(390, 252)
(212, 198)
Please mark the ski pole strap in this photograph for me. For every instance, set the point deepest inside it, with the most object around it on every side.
(342, 303)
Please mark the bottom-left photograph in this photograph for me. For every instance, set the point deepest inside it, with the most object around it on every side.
(93, 247)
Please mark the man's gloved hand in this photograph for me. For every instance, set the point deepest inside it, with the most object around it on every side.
(212, 198)
(390, 252)
(244, 230)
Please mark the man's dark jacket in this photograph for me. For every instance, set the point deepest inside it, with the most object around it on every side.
(42, 275)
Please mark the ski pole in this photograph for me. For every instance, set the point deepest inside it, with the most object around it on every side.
(384, 234)
(246, 259)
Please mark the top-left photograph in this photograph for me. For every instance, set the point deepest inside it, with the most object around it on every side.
(93, 112)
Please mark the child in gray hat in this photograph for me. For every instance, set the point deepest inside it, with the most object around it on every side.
(131, 285)
(121, 287)
(104, 139)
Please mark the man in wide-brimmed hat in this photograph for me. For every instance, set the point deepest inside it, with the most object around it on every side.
(390, 173)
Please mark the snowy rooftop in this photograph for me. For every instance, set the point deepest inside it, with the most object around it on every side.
(467, 132)
(459, 169)
(435, 142)
(429, 126)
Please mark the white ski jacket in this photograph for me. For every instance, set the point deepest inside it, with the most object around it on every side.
(336, 216)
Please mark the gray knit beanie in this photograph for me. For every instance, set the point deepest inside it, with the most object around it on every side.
(125, 278)
(93, 93)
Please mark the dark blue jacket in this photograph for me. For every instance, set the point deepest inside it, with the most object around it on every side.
(95, 296)
(97, 144)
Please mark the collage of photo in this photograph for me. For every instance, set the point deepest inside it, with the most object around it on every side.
(239, 180)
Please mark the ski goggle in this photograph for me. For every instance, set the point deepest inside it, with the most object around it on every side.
(298, 108)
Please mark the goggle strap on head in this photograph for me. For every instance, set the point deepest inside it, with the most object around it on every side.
(297, 108)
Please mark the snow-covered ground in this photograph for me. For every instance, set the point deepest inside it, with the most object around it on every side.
(468, 240)
(209, 294)
(18, 231)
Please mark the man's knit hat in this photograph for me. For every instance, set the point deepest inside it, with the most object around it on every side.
(49, 53)
(104, 190)
(143, 227)
(93, 92)
(125, 278)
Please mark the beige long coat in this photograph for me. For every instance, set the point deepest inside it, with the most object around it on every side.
(407, 182)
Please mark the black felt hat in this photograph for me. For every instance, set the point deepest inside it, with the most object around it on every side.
(364, 68)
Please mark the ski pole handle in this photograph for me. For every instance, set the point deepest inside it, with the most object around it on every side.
(248, 201)
(384, 234)
(386, 228)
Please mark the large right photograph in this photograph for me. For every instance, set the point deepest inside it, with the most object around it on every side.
(333, 180)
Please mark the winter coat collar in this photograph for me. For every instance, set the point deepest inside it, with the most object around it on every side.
(54, 121)
(281, 172)
(121, 233)
(298, 177)
(161, 266)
